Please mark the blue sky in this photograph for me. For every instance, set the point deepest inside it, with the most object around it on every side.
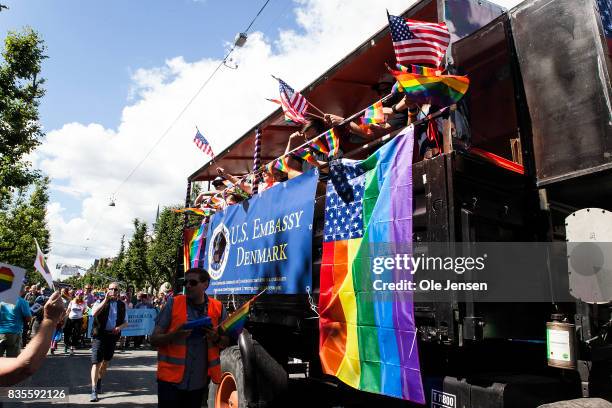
(95, 46)
(120, 71)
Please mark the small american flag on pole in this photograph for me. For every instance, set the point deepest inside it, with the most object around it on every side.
(418, 42)
(293, 103)
(203, 144)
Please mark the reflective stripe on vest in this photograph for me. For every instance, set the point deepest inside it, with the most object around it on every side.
(214, 358)
(171, 357)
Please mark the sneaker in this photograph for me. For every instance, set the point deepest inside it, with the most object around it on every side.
(94, 396)
(99, 386)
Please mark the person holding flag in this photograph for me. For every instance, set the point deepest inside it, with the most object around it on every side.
(188, 357)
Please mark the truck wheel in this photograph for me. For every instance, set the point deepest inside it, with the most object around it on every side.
(579, 403)
(271, 379)
(230, 392)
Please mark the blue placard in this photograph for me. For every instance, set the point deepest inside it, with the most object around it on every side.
(141, 322)
(264, 242)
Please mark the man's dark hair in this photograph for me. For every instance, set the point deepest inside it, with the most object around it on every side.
(203, 275)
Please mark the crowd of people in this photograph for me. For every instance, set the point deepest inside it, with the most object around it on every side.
(21, 322)
(39, 318)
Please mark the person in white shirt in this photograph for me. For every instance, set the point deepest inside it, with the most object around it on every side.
(74, 324)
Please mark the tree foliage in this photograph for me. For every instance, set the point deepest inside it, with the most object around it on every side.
(147, 260)
(22, 221)
(20, 93)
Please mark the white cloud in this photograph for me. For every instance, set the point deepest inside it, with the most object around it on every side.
(91, 161)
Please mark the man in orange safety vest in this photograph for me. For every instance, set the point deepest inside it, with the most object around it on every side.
(186, 359)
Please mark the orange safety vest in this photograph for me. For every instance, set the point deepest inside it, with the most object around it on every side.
(171, 357)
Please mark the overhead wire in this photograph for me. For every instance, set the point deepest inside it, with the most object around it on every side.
(167, 131)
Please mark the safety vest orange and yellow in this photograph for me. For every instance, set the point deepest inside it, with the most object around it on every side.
(171, 357)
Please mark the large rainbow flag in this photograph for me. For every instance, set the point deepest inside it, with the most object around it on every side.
(193, 246)
(368, 338)
(427, 87)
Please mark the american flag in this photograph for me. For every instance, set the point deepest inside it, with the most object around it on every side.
(418, 42)
(293, 103)
(203, 144)
(344, 201)
(605, 10)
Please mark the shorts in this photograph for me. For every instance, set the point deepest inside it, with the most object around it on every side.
(10, 343)
(103, 347)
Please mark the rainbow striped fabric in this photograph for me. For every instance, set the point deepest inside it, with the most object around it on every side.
(368, 338)
(304, 154)
(234, 324)
(373, 114)
(281, 165)
(193, 239)
(333, 143)
(441, 90)
(196, 211)
(319, 145)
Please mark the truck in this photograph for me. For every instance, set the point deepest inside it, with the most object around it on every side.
(538, 170)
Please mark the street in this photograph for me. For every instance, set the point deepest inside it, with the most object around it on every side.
(130, 381)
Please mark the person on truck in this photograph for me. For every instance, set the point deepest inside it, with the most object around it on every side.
(309, 131)
(187, 359)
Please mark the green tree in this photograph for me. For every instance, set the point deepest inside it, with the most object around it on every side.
(136, 268)
(162, 256)
(20, 94)
(22, 222)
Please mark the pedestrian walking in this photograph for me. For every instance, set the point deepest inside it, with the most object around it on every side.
(109, 319)
(72, 330)
(12, 320)
(188, 358)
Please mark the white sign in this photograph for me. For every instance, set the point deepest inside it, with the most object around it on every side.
(558, 345)
(11, 280)
(69, 270)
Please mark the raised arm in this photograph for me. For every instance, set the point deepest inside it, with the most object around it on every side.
(17, 369)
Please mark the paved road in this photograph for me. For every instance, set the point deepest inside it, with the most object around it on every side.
(130, 382)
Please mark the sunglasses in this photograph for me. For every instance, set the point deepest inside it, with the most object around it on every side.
(191, 282)
(113, 289)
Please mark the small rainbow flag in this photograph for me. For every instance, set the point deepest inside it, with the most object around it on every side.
(304, 154)
(319, 145)
(196, 211)
(373, 114)
(234, 324)
(332, 141)
(281, 165)
(442, 90)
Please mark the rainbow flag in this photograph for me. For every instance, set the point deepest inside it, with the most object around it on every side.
(304, 154)
(234, 324)
(441, 90)
(332, 142)
(193, 239)
(195, 245)
(373, 114)
(368, 337)
(319, 145)
(196, 211)
(281, 165)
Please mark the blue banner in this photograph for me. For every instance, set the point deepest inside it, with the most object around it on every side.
(264, 242)
(141, 322)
